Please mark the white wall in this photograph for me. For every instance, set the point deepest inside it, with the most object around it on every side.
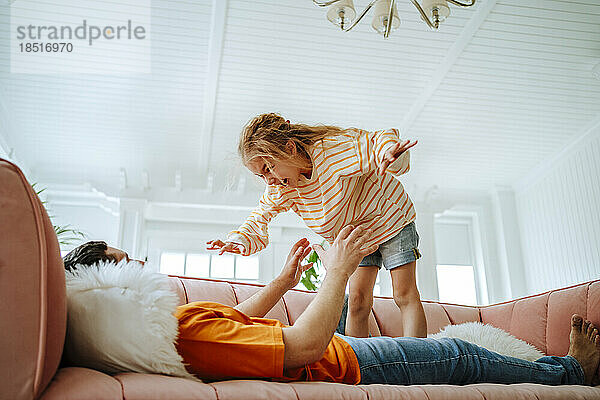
(559, 212)
(95, 222)
(84, 209)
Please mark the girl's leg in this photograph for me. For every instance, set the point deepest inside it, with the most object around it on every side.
(408, 299)
(360, 300)
(410, 361)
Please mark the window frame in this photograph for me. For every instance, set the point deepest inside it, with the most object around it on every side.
(210, 266)
(471, 220)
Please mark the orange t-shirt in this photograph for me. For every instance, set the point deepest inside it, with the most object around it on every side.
(219, 342)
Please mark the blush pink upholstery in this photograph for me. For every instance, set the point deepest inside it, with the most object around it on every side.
(33, 321)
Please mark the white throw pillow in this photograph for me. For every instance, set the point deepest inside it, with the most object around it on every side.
(120, 318)
(492, 338)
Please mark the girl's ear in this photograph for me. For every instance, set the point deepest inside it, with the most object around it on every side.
(291, 147)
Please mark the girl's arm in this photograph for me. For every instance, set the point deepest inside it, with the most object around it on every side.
(383, 151)
(263, 300)
(253, 234)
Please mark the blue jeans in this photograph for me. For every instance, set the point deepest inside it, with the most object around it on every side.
(410, 361)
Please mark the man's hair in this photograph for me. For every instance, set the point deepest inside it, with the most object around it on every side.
(88, 253)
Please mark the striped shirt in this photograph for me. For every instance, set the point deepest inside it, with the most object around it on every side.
(344, 188)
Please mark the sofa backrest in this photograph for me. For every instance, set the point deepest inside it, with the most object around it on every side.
(541, 320)
(544, 319)
(33, 307)
(386, 317)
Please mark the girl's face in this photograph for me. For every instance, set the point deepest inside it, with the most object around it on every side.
(276, 172)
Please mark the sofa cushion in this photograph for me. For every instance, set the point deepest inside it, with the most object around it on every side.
(155, 387)
(177, 286)
(529, 320)
(325, 391)
(208, 290)
(149, 386)
(561, 305)
(498, 315)
(76, 383)
(278, 312)
(460, 314)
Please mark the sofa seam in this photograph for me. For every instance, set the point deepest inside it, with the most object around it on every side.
(235, 297)
(587, 297)
(215, 389)
(376, 320)
(424, 392)
(546, 330)
(364, 391)
(294, 390)
(447, 314)
(480, 393)
(185, 293)
(122, 387)
(287, 311)
(531, 392)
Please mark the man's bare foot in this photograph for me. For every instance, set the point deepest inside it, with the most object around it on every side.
(585, 346)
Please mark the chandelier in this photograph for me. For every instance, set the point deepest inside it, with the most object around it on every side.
(386, 19)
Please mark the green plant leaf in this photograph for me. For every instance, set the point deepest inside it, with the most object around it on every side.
(310, 278)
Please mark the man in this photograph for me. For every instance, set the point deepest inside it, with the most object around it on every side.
(222, 342)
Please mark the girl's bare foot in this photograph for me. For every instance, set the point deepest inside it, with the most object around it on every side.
(585, 346)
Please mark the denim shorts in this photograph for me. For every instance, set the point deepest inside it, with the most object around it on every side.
(397, 251)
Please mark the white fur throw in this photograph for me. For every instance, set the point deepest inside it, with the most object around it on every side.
(120, 318)
(492, 338)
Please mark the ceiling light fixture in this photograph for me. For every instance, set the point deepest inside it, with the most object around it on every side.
(386, 19)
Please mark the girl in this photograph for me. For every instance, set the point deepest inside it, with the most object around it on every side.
(331, 178)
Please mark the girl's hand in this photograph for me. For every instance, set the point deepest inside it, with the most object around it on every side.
(224, 247)
(292, 271)
(393, 153)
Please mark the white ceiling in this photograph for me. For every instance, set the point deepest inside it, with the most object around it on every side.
(501, 87)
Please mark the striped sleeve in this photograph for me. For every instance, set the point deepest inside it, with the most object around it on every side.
(253, 234)
(371, 147)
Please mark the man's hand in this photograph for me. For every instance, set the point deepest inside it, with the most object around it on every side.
(262, 301)
(347, 250)
(393, 153)
(224, 247)
(292, 271)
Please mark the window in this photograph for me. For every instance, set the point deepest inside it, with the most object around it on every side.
(459, 269)
(456, 284)
(203, 265)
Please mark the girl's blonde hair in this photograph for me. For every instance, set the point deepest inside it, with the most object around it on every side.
(267, 135)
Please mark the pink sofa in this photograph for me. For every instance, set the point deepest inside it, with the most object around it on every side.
(33, 321)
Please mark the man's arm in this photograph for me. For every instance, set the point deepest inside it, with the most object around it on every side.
(306, 341)
(263, 300)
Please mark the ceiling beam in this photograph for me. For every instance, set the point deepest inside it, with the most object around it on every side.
(463, 39)
(215, 55)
